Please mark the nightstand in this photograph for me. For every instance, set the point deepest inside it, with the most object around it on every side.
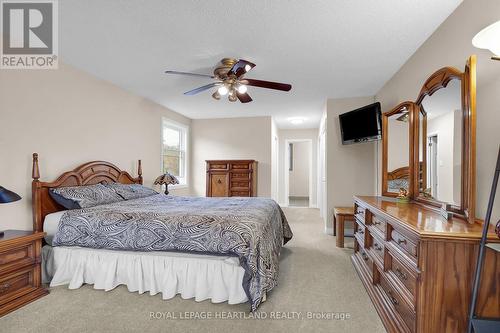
(20, 271)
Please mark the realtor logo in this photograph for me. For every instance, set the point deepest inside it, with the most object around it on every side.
(29, 34)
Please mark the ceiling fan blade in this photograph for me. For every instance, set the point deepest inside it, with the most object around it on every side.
(241, 67)
(203, 88)
(190, 74)
(244, 98)
(267, 84)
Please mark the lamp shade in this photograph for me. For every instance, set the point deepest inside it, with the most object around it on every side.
(7, 196)
(166, 178)
(489, 38)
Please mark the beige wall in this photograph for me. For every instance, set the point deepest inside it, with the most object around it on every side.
(298, 184)
(450, 45)
(70, 117)
(297, 134)
(231, 138)
(349, 168)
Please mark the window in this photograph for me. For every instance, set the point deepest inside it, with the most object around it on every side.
(174, 149)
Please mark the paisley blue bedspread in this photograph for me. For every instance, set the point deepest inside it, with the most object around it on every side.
(254, 229)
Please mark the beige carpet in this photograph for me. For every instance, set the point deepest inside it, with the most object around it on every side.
(315, 277)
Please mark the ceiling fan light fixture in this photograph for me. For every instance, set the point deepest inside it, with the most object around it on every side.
(242, 88)
(223, 90)
(216, 95)
(232, 98)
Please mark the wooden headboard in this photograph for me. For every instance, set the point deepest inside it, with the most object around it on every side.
(400, 173)
(86, 174)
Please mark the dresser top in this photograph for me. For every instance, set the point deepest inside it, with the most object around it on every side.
(425, 221)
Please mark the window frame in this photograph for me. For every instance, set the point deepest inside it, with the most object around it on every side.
(184, 129)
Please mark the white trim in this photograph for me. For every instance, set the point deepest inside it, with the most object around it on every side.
(287, 167)
(175, 124)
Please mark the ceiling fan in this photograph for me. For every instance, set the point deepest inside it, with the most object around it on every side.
(228, 74)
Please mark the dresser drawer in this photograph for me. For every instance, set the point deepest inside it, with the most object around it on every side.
(240, 176)
(377, 248)
(404, 243)
(240, 166)
(360, 213)
(218, 166)
(401, 273)
(379, 224)
(16, 284)
(406, 313)
(240, 193)
(365, 258)
(17, 256)
(360, 233)
(240, 183)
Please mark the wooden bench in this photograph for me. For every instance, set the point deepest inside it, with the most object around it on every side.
(340, 215)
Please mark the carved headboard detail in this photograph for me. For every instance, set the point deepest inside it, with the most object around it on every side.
(86, 174)
(399, 173)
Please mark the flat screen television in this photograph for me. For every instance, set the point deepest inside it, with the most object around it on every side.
(361, 125)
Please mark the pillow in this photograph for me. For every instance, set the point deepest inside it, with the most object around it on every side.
(131, 191)
(76, 197)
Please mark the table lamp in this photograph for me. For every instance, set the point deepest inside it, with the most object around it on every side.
(166, 179)
(7, 196)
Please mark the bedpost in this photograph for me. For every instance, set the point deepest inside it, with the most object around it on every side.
(35, 173)
(139, 171)
(35, 195)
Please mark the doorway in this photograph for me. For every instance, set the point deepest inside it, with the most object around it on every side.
(298, 173)
(432, 169)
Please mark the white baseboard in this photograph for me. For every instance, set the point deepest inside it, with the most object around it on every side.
(329, 231)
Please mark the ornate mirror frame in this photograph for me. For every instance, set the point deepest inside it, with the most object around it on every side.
(436, 81)
(411, 107)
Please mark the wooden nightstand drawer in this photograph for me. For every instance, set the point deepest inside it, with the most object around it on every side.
(16, 256)
(16, 284)
(20, 273)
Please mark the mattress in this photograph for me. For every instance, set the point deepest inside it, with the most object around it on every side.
(191, 275)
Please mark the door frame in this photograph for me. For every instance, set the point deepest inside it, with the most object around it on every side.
(287, 167)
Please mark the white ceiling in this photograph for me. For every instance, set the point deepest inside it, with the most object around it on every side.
(325, 49)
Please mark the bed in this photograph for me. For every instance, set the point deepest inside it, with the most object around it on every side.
(223, 249)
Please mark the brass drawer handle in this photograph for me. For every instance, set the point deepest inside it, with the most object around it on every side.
(401, 241)
(360, 232)
(365, 257)
(4, 287)
(377, 247)
(400, 274)
(393, 300)
(376, 222)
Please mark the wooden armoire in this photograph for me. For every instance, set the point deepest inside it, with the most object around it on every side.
(231, 178)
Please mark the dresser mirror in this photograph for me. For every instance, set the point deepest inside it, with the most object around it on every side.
(444, 166)
(397, 157)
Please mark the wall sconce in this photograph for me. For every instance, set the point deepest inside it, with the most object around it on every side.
(489, 38)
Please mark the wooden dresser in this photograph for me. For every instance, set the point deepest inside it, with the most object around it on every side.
(231, 178)
(418, 267)
(20, 274)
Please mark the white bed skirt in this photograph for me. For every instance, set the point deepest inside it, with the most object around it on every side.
(192, 276)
